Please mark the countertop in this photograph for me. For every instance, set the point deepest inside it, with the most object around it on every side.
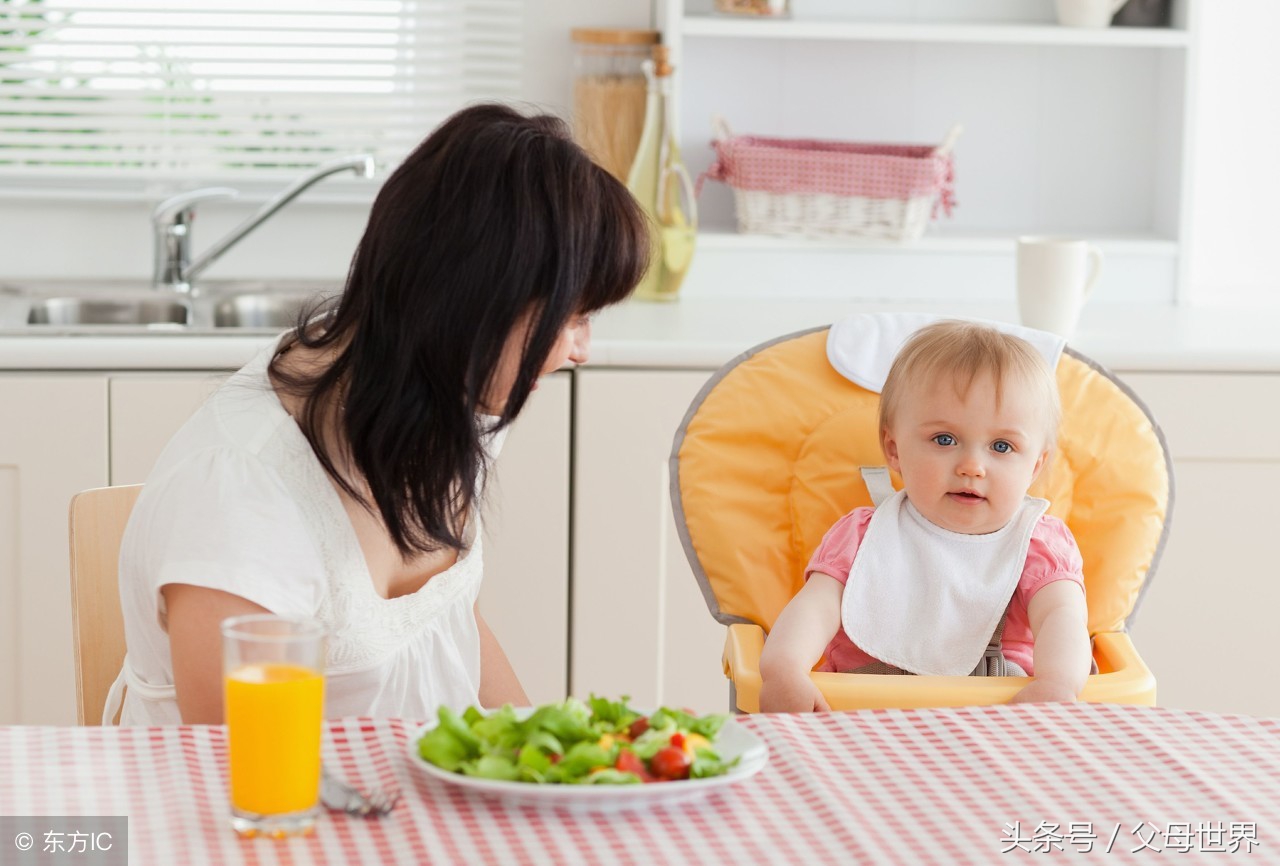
(703, 334)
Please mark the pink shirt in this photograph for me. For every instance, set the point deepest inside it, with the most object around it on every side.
(1052, 555)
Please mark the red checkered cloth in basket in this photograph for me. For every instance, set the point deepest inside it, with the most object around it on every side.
(785, 166)
(945, 786)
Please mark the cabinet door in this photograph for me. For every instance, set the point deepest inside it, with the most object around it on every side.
(525, 594)
(53, 444)
(640, 624)
(146, 410)
(1206, 626)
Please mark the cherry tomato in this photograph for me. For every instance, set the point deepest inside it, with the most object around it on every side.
(638, 727)
(670, 764)
(629, 762)
(677, 740)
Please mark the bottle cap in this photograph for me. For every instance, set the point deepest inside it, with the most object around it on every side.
(661, 61)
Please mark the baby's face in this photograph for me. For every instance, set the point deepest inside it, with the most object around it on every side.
(966, 463)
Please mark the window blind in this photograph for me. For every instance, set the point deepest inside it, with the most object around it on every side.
(145, 95)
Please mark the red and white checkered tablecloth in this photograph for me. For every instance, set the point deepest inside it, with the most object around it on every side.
(949, 786)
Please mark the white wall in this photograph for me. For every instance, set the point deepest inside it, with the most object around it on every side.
(312, 239)
(548, 57)
(1235, 214)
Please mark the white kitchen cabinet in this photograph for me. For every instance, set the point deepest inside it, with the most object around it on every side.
(525, 595)
(634, 621)
(1207, 625)
(640, 624)
(1066, 131)
(146, 410)
(53, 444)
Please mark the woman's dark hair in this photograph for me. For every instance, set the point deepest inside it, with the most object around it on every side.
(494, 216)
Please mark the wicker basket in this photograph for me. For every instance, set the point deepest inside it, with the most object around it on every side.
(832, 188)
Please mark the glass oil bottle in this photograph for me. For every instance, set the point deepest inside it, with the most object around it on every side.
(659, 181)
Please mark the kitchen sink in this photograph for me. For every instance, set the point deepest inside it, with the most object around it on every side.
(261, 310)
(128, 308)
(109, 311)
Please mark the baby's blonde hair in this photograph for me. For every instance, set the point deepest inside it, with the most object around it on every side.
(964, 351)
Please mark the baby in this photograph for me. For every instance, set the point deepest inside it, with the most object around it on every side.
(960, 571)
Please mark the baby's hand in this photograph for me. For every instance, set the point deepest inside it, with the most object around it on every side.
(791, 694)
(1044, 691)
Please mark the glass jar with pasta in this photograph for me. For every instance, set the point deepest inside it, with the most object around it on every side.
(609, 93)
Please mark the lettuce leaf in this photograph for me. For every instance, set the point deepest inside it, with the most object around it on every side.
(450, 743)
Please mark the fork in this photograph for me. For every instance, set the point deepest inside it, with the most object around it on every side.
(340, 796)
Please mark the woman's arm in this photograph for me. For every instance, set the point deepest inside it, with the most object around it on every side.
(800, 634)
(1060, 625)
(195, 645)
(498, 682)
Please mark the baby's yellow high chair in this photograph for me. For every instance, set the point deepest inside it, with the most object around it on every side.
(768, 458)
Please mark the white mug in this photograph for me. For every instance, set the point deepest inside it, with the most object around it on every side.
(1055, 278)
(1088, 13)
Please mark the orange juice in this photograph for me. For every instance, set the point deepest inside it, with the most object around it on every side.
(274, 714)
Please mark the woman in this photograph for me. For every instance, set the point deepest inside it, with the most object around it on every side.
(338, 475)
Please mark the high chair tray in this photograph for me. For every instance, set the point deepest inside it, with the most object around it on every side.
(1123, 678)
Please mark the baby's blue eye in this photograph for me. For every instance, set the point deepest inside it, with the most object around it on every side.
(1001, 447)
(945, 439)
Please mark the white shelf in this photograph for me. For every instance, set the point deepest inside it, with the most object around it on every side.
(945, 243)
(1088, 141)
(876, 31)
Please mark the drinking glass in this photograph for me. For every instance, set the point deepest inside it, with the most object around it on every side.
(273, 675)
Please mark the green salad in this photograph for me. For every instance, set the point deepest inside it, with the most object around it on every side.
(600, 742)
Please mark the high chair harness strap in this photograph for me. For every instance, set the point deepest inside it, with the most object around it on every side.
(878, 483)
(992, 664)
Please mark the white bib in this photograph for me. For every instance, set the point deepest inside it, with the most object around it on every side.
(926, 599)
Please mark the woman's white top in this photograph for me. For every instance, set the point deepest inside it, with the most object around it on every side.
(239, 502)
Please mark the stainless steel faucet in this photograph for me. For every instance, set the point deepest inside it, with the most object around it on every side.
(172, 218)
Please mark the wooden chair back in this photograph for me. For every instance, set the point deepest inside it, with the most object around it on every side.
(97, 523)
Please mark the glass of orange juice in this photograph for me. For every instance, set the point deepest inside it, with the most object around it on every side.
(273, 675)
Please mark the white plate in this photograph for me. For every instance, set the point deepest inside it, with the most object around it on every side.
(733, 741)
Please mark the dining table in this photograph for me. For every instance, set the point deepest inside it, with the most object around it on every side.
(981, 784)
